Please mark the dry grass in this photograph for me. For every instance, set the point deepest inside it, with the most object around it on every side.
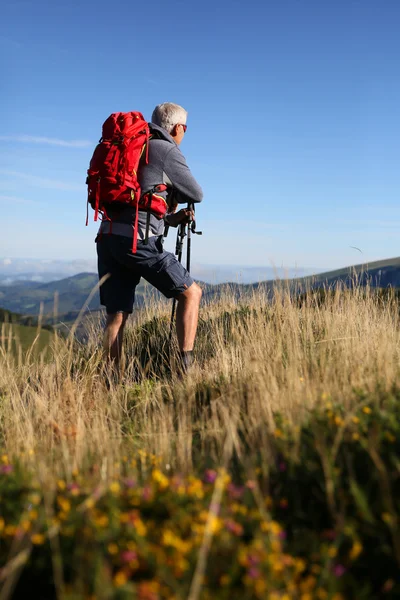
(255, 356)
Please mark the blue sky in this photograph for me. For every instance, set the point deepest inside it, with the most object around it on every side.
(293, 127)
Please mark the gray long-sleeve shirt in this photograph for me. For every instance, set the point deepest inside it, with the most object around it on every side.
(166, 164)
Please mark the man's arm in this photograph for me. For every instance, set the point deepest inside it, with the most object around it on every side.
(185, 187)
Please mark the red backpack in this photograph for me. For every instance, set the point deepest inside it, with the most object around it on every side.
(112, 173)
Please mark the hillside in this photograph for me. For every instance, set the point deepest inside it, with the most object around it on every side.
(74, 291)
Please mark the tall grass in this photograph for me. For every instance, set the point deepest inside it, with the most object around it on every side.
(255, 356)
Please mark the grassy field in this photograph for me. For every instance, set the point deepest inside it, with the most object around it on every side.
(271, 472)
(16, 338)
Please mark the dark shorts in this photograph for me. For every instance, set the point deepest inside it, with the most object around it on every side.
(151, 261)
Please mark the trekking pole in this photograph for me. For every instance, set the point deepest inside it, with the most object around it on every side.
(191, 229)
(180, 236)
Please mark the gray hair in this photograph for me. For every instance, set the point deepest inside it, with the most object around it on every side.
(168, 114)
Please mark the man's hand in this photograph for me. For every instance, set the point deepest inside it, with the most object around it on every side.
(185, 215)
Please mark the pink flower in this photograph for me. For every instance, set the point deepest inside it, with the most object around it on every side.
(235, 491)
(253, 573)
(129, 482)
(339, 570)
(128, 555)
(210, 476)
(6, 469)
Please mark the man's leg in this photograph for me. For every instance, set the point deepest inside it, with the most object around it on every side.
(187, 316)
(113, 337)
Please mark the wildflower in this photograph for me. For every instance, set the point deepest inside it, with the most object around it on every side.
(129, 483)
(321, 594)
(367, 410)
(339, 570)
(4, 459)
(26, 525)
(235, 491)
(2, 523)
(64, 504)
(101, 521)
(114, 487)
(195, 488)
(356, 436)
(61, 484)
(234, 527)
(390, 437)
(324, 396)
(35, 499)
(74, 489)
(112, 549)
(159, 477)
(387, 518)
(224, 580)
(355, 550)
(6, 469)
(10, 530)
(278, 433)
(332, 551)
(299, 565)
(338, 421)
(38, 539)
(120, 578)
(355, 420)
(128, 556)
(89, 503)
(301, 379)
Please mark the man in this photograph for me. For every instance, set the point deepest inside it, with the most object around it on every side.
(166, 165)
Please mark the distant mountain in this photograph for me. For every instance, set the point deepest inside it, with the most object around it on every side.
(29, 272)
(72, 292)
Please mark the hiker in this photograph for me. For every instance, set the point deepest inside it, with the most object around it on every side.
(126, 265)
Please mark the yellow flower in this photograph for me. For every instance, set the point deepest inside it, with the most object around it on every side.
(260, 587)
(332, 551)
(367, 410)
(225, 580)
(38, 539)
(338, 421)
(120, 579)
(2, 523)
(387, 518)
(10, 530)
(356, 436)
(324, 396)
(355, 420)
(321, 594)
(26, 525)
(159, 477)
(140, 527)
(4, 459)
(112, 549)
(356, 550)
(61, 484)
(64, 504)
(101, 521)
(278, 433)
(115, 488)
(300, 565)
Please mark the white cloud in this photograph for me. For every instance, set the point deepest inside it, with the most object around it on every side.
(7, 261)
(32, 139)
(43, 182)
